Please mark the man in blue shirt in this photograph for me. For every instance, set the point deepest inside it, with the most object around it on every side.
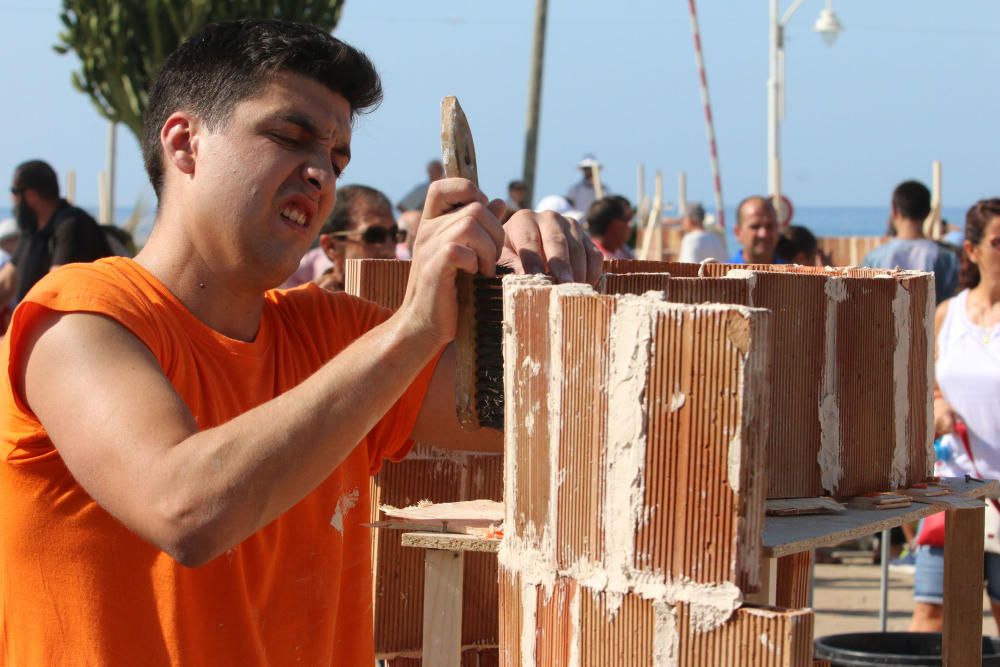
(756, 232)
(911, 204)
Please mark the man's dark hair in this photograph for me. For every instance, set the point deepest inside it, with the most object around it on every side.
(912, 200)
(746, 200)
(38, 176)
(794, 240)
(603, 212)
(227, 63)
(343, 210)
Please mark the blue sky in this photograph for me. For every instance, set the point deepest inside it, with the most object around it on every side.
(908, 81)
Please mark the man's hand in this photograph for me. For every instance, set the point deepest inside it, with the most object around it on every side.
(549, 243)
(944, 417)
(460, 231)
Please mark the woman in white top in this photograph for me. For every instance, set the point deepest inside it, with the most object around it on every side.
(967, 400)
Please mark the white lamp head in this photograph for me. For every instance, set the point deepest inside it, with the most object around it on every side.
(828, 26)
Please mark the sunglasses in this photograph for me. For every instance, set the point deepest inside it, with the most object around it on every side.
(17, 191)
(374, 235)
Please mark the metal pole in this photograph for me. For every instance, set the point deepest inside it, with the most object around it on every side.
(111, 173)
(534, 99)
(713, 151)
(772, 105)
(884, 584)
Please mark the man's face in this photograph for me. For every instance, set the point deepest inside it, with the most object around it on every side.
(265, 179)
(379, 244)
(757, 232)
(24, 213)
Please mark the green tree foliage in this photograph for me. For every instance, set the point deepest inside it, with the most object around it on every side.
(122, 43)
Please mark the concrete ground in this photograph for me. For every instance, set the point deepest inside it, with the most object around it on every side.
(846, 597)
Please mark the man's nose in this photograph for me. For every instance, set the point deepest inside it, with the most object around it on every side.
(318, 174)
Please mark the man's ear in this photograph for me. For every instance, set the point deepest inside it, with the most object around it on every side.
(178, 137)
(328, 244)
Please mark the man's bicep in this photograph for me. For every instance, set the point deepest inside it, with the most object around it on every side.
(437, 423)
(107, 407)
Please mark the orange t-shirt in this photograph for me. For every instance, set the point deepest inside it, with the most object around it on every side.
(77, 587)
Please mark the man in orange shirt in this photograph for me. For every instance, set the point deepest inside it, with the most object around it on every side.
(186, 450)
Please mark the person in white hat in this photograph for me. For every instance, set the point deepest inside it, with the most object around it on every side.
(582, 194)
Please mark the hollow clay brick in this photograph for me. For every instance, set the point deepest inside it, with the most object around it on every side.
(650, 426)
(852, 362)
(432, 474)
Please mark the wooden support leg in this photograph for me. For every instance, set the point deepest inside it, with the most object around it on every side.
(793, 580)
(443, 577)
(963, 587)
(768, 583)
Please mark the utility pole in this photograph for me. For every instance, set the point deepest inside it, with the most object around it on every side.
(534, 100)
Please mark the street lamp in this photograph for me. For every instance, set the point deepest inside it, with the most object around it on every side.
(828, 26)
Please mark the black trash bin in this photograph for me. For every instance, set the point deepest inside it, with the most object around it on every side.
(881, 649)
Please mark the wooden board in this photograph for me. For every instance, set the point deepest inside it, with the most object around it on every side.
(784, 535)
(450, 542)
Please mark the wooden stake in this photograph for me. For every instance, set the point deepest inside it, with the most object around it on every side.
(652, 223)
(598, 186)
(682, 197)
(933, 229)
(71, 186)
(458, 154)
(102, 197)
(640, 177)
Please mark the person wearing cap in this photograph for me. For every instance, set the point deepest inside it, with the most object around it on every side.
(582, 194)
(54, 232)
(698, 245)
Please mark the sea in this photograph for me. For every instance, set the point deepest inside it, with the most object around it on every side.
(821, 220)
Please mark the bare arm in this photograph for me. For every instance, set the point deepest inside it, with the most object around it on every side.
(131, 442)
(8, 282)
(944, 416)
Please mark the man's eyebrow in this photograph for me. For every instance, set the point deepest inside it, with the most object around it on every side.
(302, 121)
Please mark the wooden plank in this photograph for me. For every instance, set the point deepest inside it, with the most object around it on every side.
(963, 585)
(443, 576)
(450, 542)
(784, 535)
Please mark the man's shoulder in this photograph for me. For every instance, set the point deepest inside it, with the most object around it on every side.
(73, 215)
(337, 313)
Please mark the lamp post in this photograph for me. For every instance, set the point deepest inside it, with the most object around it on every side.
(828, 26)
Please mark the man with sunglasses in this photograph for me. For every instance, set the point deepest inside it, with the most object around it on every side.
(361, 226)
(53, 232)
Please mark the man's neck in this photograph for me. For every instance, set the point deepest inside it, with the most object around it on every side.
(207, 293)
(908, 230)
